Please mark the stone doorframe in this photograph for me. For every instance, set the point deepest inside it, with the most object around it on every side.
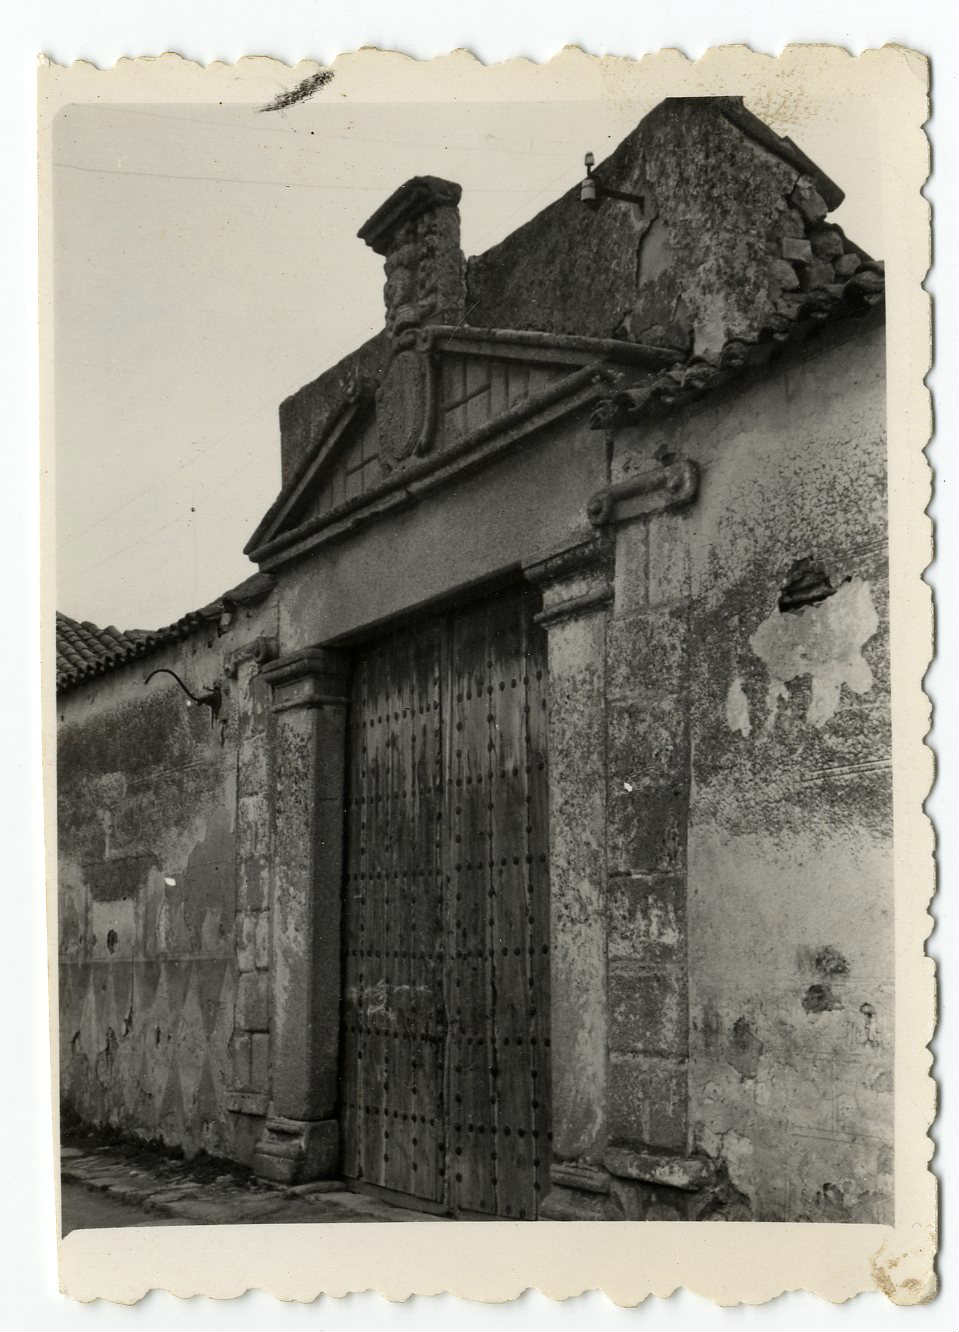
(577, 589)
(310, 693)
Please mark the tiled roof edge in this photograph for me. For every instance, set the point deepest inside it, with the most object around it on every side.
(690, 379)
(85, 651)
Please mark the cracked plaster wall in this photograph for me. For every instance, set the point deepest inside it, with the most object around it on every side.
(696, 262)
(788, 891)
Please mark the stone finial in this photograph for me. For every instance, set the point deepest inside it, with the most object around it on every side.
(417, 230)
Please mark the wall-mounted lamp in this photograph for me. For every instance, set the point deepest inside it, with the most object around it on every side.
(211, 698)
(592, 191)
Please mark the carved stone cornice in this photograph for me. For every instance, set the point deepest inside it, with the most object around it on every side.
(595, 552)
(575, 581)
(650, 492)
(417, 231)
(311, 678)
(417, 196)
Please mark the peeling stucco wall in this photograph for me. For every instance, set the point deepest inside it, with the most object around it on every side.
(162, 850)
(790, 867)
(825, 642)
(785, 906)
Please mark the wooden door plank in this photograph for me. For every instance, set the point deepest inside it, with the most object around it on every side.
(427, 955)
(397, 1163)
(470, 1055)
(374, 1061)
(538, 901)
(367, 1102)
(508, 776)
(353, 932)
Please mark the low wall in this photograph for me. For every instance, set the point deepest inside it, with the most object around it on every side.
(163, 895)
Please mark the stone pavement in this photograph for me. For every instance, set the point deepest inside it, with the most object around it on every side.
(156, 1189)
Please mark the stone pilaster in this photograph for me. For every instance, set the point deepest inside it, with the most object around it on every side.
(648, 782)
(300, 1140)
(248, 1096)
(577, 591)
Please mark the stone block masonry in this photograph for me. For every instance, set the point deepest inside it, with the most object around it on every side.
(252, 925)
(647, 665)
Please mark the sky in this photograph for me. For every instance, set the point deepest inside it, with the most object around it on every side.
(206, 266)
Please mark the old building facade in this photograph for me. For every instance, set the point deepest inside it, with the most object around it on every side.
(525, 848)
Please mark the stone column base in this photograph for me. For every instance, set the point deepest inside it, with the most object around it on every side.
(646, 1185)
(579, 1192)
(563, 1204)
(643, 1186)
(295, 1151)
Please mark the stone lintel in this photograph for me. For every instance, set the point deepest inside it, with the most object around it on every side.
(310, 678)
(650, 492)
(689, 1173)
(296, 1151)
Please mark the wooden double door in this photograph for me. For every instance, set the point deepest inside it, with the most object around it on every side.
(445, 1042)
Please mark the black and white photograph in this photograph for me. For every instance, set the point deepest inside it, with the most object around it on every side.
(476, 738)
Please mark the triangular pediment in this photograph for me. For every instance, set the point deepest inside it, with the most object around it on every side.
(443, 392)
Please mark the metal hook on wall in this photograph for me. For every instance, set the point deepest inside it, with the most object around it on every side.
(211, 698)
(592, 191)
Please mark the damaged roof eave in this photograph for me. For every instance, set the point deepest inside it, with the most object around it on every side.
(85, 651)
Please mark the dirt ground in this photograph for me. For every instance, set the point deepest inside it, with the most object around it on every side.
(117, 1184)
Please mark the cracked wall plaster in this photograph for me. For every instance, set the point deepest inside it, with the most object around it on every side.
(825, 642)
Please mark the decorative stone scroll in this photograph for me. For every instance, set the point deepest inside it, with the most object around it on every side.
(650, 492)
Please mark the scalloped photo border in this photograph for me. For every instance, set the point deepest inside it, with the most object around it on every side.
(732, 1263)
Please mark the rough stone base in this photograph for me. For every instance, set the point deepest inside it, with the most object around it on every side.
(296, 1151)
(564, 1204)
(657, 1186)
(643, 1186)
